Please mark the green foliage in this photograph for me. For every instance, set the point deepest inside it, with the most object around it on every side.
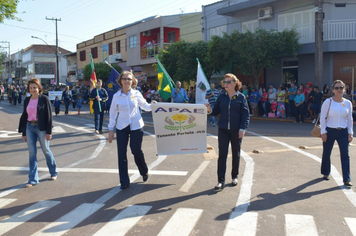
(2, 60)
(8, 9)
(102, 71)
(248, 53)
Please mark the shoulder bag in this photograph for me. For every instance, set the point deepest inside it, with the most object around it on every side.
(316, 132)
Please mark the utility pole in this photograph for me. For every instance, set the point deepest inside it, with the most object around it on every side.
(57, 65)
(319, 43)
(10, 76)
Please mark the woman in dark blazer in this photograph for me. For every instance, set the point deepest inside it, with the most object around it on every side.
(36, 124)
(234, 119)
(66, 97)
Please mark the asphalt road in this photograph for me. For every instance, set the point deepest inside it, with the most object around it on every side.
(280, 190)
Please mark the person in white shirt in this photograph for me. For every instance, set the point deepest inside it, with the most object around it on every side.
(336, 124)
(126, 119)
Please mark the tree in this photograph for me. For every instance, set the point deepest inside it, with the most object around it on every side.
(253, 52)
(8, 9)
(2, 61)
(102, 71)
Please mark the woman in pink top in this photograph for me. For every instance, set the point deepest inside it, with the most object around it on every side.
(264, 100)
(36, 124)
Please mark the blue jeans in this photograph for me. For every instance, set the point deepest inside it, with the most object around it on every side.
(98, 118)
(32, 135)
(66, 106)
(341, 136)
(212, 118)
(122, 138)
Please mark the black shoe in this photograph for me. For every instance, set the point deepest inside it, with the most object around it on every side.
(348, 183)
(326, 177)
(234, 182)
(145, 178)
(125, 186)
(219, 187)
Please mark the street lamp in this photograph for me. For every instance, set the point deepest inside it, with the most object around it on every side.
(57, 74)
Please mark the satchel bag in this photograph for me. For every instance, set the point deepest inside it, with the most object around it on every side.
(316, 131)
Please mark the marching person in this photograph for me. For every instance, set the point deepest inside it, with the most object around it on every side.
(99, 96)
(74, 93)
(338, 126)
(66, 97)
(234, 119)
(36, 124)
(125, 119)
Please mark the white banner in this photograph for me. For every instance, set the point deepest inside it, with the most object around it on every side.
(180, 128)
(53, 94)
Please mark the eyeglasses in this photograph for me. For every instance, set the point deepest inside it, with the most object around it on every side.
(337, 88)
(227, 81)
(126, 79)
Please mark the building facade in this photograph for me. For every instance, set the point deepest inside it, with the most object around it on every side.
(134, 46)
(339, 34)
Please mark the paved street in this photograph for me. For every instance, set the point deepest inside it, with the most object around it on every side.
(280, 190)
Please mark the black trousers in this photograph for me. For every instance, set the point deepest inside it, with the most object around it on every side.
(56, 109)
(226, 136)
(122, 138)
(299, 111)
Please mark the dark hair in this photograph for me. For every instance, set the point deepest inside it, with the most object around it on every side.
(37, 82)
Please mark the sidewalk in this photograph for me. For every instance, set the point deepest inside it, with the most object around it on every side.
(291, 120)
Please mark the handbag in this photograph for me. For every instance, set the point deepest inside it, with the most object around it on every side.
(316, 131)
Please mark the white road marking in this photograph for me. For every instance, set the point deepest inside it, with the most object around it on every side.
(240, 220)
(6, 201)
(196, 174)
(182, 222)
(123, 221)
(70, 220)
(9, 134)
(351, 222)
(26, 215)
(349, 192)
(98, 170)
(300, 225)
(58, 129)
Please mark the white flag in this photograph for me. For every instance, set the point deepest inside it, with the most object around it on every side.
(201, 87)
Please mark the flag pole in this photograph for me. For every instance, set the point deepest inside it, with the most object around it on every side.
(169, 77)
(96, 81)
(206, 78)
(112, 67)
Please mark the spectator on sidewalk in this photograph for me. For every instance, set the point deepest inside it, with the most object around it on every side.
(179, 95)
(264, 100)
(254, 98)
(280, 102)
(292, 91)
(15, 96)
(299, 100)
(316, 105)
(212, 95)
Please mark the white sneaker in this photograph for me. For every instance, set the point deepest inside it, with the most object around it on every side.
(314, 121)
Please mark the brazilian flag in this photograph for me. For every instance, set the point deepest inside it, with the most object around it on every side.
(164, 86)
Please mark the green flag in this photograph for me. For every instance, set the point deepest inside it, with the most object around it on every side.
(164, 86)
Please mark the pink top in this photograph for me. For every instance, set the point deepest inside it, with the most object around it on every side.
(32, 110)
(264, 97)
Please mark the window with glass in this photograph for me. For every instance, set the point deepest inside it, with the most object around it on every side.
(44, 68)
(172, 37)
(133, 41)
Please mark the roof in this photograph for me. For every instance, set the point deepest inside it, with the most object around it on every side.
(228, 10)
(46, 49)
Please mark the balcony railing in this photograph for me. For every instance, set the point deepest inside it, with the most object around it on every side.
(333, 30)
(151, 51)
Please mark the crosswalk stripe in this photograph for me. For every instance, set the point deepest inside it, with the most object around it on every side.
(182, 222)
(351, 222)
(26, 215)
(123, 221)
(245, 224)
(70, 220)
(300, 225)
(6, 201)
(196, 174)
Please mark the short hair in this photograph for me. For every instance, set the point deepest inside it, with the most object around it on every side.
(134, 80)
(234, 78)
(338, 81)
(37, 82)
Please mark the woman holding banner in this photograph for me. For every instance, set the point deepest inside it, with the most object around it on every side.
(234, 119)
(125, 117)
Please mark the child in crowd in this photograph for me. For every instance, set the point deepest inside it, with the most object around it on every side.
(56, 105)
(264, 100)
(254, 97)
(79, 103)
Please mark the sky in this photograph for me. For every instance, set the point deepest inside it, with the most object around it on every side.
(81, 20)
